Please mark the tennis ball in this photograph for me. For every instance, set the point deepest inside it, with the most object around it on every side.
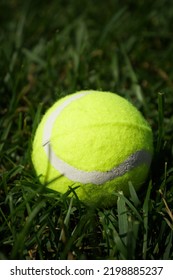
(96, 141)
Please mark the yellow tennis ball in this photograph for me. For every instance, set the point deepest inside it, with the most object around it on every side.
(96, 141)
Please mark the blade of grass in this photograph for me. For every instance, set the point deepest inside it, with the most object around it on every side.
(132, 75)
(145, 220)
(5, 132)
(20, 238)
(132, 237)
(111, 24)
(131, 206)
(168, 250)
(133, 194)
(122, 219)
(117, 240)
(65, 222)
(160, 121)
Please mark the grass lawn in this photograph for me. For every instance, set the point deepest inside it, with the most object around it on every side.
(49, 49)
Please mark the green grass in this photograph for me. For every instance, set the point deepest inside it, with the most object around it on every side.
(48, 51)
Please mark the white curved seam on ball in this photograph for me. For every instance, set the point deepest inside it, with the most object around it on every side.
(76, 175)
(97, 177)
(51, 119)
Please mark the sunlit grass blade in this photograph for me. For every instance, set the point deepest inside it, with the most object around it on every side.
(132, 237)
(133, 195)
(122, 219)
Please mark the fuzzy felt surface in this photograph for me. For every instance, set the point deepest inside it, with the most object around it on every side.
(94, 133)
